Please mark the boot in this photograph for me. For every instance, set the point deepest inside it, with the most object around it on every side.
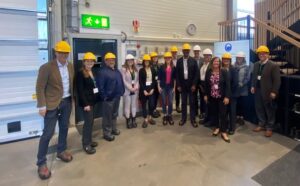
(128, 123)
(133, 122)
(170, 119)
(165, 120)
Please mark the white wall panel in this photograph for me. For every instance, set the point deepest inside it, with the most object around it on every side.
(18, 4)
(161, 18)
(15, 26)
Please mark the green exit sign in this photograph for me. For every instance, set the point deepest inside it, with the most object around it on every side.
(95, 21)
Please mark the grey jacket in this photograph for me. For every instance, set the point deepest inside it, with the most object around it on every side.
(243, 79)
(270, 79)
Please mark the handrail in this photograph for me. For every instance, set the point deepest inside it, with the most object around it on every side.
(232, 20)
(285, 29)
(277, 32)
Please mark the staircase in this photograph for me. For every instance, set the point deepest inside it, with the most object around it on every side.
(282, 35)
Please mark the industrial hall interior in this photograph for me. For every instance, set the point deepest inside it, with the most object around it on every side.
(150, 93)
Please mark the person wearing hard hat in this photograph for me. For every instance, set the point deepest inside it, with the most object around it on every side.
(111, 87)
(174, 51)
(199, 59)
(187, 79)
(265, 85)
(217, 94)
(154, 65)
(243, 79)
(166, 86)
(233, 77)
(131, 82)
(147, 86)
(88, 94)
(54, 89)
(204, 115)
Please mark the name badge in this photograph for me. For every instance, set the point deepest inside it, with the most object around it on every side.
(95, 90)
(148, 83)
(258, 77)
(132, 82)
(156, 77)
(216, 86)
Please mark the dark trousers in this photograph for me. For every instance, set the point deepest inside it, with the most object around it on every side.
(203, 105)
(62, 115)
(185, 95)
(232, 113)
(155, 99)
(265, 111)
(197, 100)
(167, 96)
(219, 112)
(110, 113)
(241, 106)
(177, 97)
(87, 129)
(150, 101)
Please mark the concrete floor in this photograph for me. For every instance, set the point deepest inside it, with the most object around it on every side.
(156, 156)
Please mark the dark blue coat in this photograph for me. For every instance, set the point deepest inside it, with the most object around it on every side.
(110, 83)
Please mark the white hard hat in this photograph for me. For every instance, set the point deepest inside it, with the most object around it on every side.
(129, 56)
(207, 51)
(240, 54)
(197, 47)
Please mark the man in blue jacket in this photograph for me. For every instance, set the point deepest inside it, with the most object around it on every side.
(111, 88)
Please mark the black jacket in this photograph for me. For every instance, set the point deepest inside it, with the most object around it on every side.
(193, 73)
(85, 91)
(142, 82)
(162, 76)
(224, 83)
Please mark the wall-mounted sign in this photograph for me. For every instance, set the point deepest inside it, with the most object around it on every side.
(95, 21)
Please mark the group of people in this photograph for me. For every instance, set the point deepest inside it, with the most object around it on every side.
(214, 88)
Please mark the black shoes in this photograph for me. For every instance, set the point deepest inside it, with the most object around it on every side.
(94, 144)
(145, 124)
(115, 132)
(181, 122)
(156, 114)
(109, 138)
(89, 149)
(194, 123)
(165, 120)
(129, 123)
(133, 122)
(170, 120)
(231, 132)
(178, 109)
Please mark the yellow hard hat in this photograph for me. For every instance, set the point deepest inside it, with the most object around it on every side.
(153, 54)
(167, 54)
(62, 46)
(226, 56)
(186, 46)
(146, 57)
(174, 49)
(89, 55)
(262, 48)
(109, 55)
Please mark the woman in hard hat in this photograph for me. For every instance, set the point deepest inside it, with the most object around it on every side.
(243, 79)
(131, 82)
(166, 86)
(233, 76)
(216, 94)
(154, 65)
(87, 96)
(174, 51)
(147, 86)
(204, 115)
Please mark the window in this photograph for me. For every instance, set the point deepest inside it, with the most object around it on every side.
(42, 30)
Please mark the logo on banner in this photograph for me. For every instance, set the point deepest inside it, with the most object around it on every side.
(228, 47)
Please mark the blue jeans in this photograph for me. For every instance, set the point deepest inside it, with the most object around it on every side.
(62, 115)
(167, 95)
